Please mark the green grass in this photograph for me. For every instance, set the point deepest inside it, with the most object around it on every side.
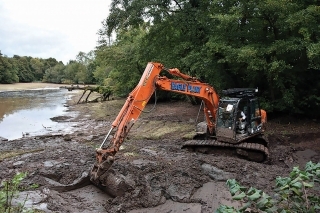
(13, 153)
(155, 130)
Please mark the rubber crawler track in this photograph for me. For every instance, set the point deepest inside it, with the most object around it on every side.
(244, 145)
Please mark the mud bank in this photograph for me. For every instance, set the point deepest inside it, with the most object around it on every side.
(158, 174)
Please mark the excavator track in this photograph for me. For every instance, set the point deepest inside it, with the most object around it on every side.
(251, 151)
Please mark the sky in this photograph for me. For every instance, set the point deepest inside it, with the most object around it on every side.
(50, 28)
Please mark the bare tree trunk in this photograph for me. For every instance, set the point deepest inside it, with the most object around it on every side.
(81, 96)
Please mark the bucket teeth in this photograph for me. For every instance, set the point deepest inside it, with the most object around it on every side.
(99, 171)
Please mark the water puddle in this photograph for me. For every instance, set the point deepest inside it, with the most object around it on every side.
(28, 112)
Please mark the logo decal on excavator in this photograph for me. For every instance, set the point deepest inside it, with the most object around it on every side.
(185, 87)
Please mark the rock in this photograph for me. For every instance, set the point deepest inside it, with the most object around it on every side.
(67, 137)
(18, 163)
(149, 151)
(141, 164)
(89, 138)
(47, 164)
(118, 184)
(215, 173)
(178, 194)
(32, 199)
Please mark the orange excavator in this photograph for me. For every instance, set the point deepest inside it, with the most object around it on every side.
(232, 121)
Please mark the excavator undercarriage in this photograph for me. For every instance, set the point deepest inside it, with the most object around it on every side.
(250, 150)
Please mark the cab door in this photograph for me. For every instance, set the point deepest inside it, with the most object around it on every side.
(225, 126)
(255, 117)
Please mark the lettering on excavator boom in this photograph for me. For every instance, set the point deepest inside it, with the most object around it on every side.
(185, 87)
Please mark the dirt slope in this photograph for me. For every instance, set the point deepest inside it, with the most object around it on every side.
(159, 176)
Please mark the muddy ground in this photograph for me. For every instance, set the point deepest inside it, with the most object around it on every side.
(159, 175)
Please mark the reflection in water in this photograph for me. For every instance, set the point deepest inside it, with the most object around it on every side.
(29, 111)
(10, 105)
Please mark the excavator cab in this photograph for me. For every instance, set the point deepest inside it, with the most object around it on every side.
(237, 117)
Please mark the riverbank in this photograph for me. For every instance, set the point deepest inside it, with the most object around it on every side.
(26, 86)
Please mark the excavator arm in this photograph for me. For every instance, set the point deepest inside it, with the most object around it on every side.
(197, 89)
(136, 102)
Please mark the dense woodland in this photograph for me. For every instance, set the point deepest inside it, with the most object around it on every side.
(270, 44)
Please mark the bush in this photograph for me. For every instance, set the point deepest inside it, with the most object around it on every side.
(9, 189)
(294, 194)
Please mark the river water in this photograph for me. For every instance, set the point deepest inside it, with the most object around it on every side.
(28, 112)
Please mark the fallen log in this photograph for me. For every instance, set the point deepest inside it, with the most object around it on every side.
(104, 91)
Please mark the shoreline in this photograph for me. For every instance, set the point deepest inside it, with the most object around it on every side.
(29, 86)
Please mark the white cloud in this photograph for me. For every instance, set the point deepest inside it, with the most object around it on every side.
(50, 28)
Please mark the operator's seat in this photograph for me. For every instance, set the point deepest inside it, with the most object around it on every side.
(242, 124)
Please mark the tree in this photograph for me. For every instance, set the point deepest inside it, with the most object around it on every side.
(272, 45)
(8, 74)
(121, 61)
(259, 43)
(161, 31)
(24, 72)
(37, 67)
(54, 74)
(86, 60)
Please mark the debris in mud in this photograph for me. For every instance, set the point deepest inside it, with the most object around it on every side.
(215, 173)
(60, 118)
(80, 182)
(3, 139)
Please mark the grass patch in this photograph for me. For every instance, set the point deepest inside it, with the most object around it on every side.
(155, 130)
(189, 135)
(165, 130)
(107, 109)
(131, 154)
(13, 153)
(92, 144)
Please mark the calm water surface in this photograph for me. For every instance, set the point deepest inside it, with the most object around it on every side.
(29, 111)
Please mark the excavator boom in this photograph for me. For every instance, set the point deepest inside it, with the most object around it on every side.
(127, 116)
(135, 104)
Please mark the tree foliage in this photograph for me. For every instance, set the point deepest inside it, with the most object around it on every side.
(7, 73)
(28, 69)
(121, 61)
(21, 65)
(272, 45)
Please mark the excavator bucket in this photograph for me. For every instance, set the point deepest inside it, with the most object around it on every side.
(107, 180)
